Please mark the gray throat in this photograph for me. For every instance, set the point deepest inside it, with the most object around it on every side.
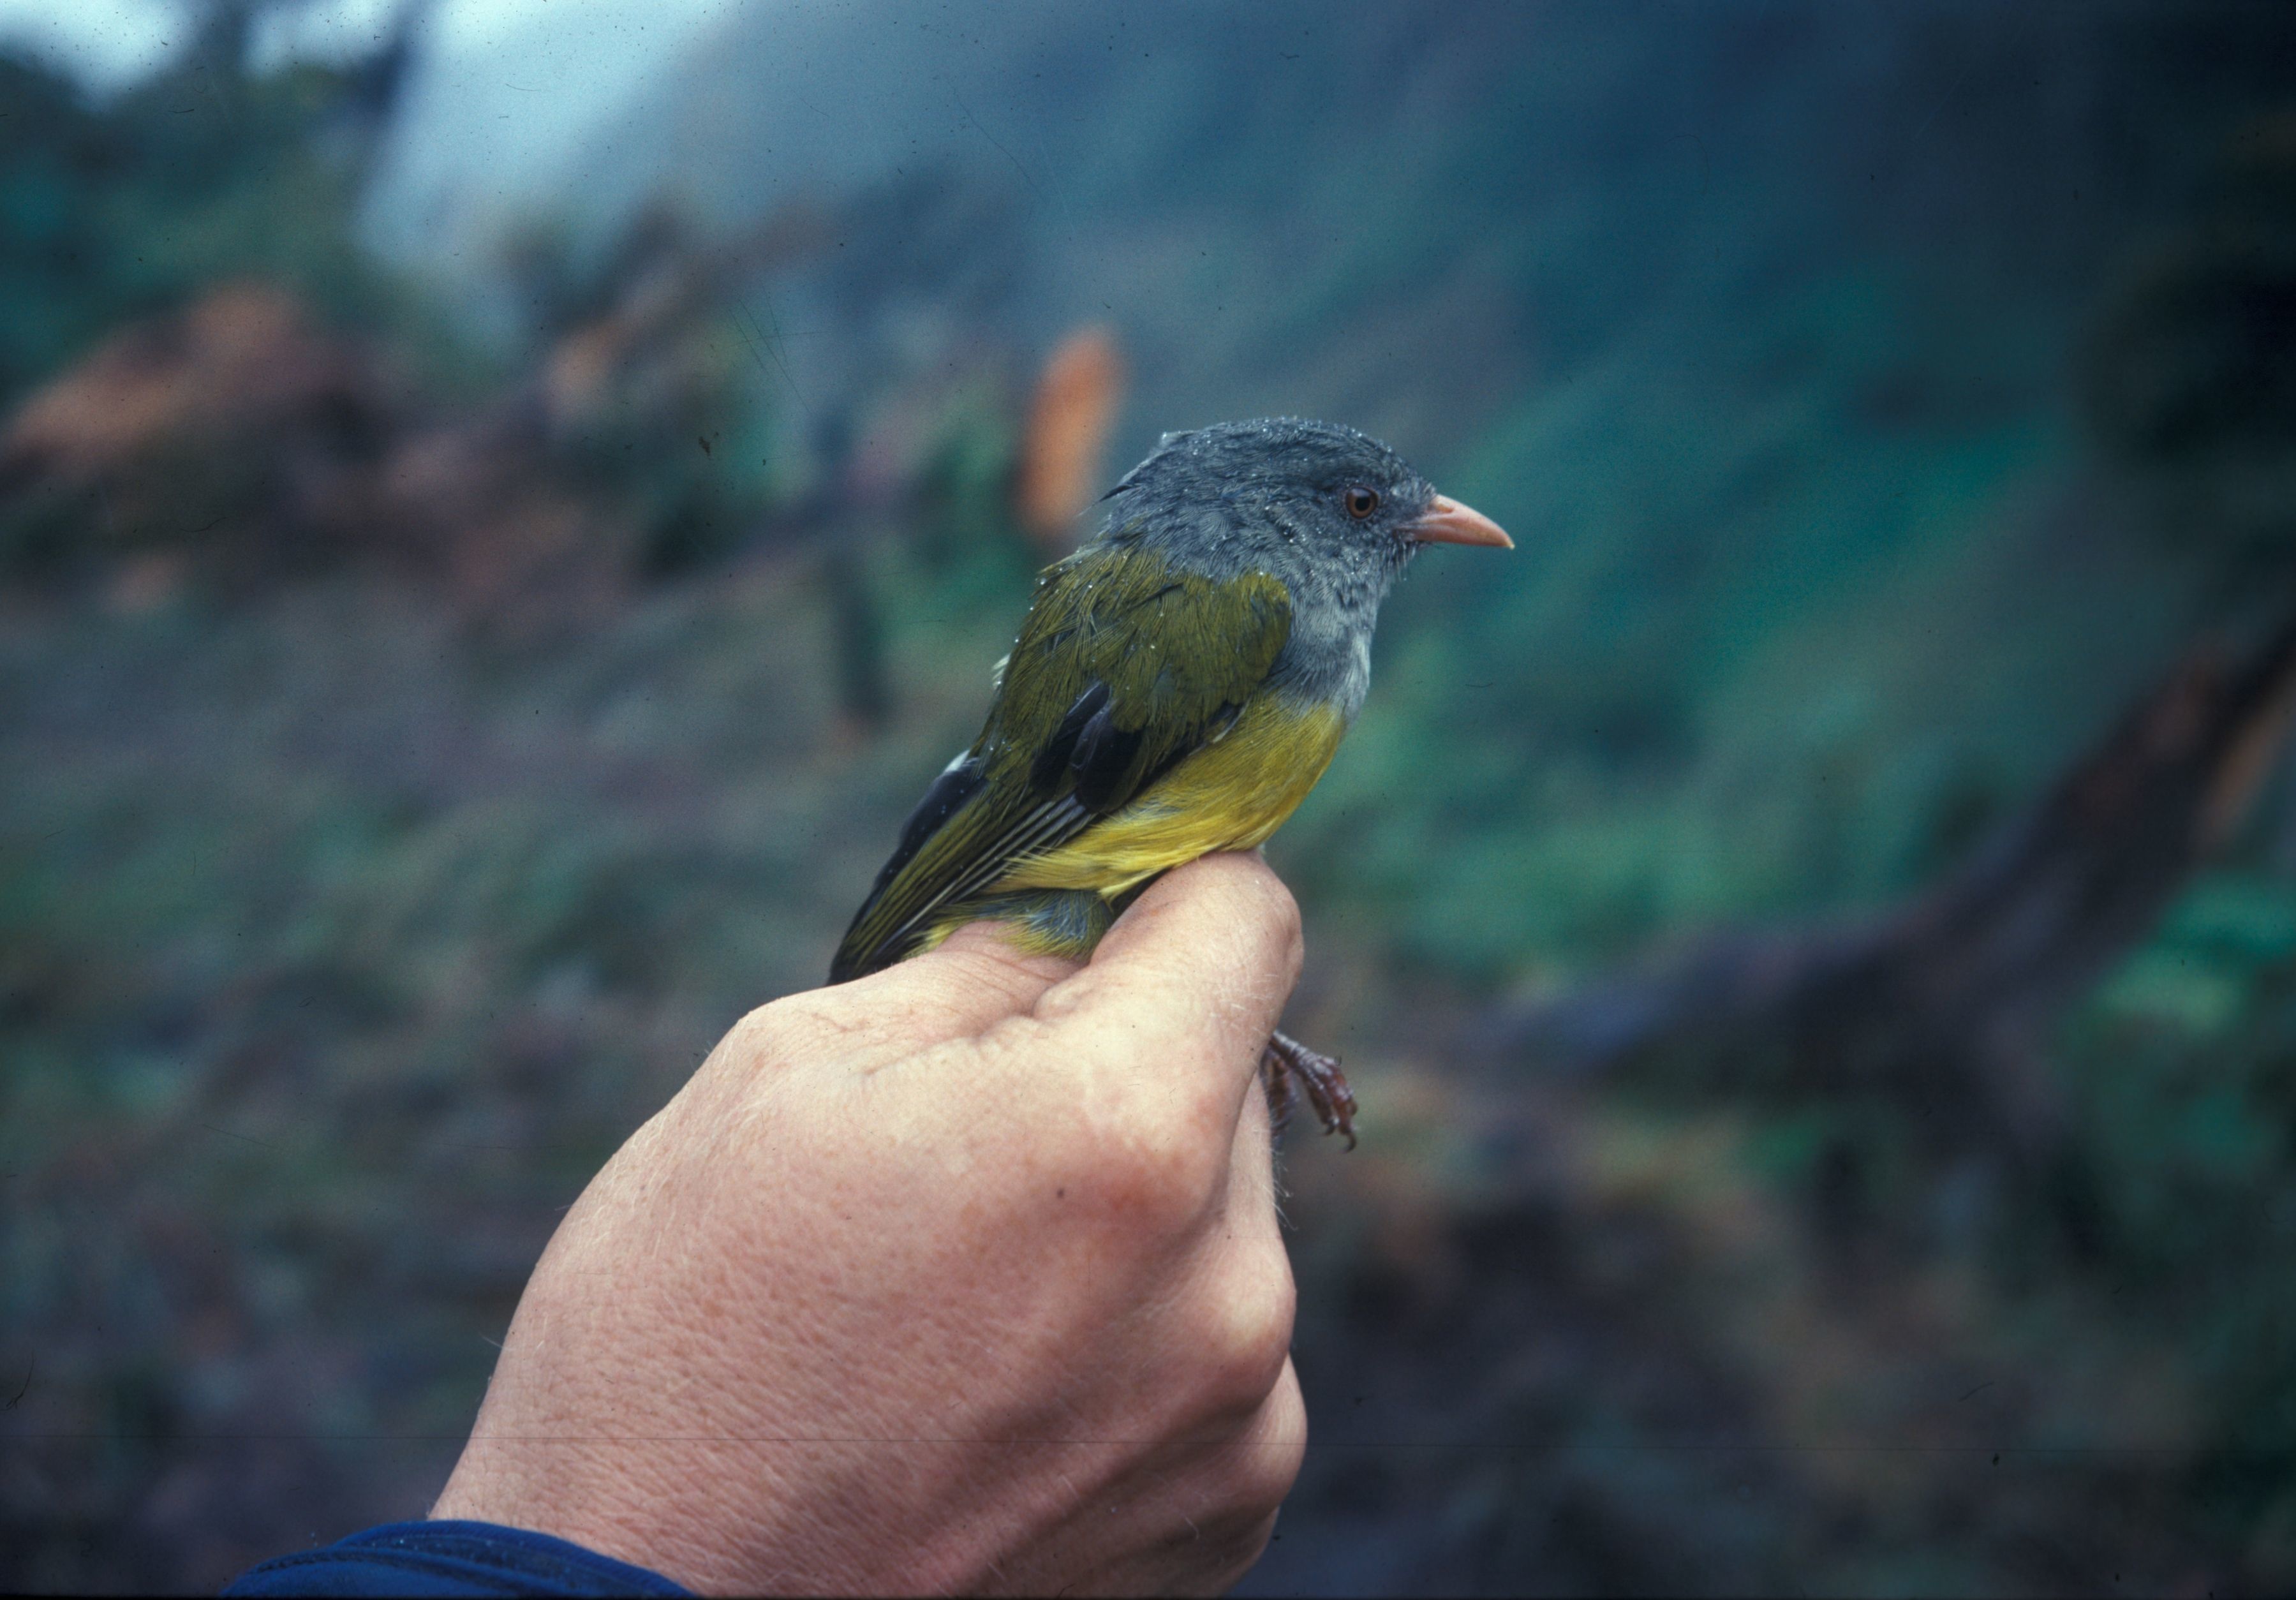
(1327, 659)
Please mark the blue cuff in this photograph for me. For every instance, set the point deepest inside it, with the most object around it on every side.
(442, 1559)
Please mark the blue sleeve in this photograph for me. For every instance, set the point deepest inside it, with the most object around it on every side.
(440, 1559)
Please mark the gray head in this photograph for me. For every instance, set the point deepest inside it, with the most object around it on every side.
(1334, 513)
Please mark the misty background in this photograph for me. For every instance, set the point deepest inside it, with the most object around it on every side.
(503, 505)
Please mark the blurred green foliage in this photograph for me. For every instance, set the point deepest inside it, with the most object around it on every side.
(2186, 1099)
(342, 935)
(200, 173)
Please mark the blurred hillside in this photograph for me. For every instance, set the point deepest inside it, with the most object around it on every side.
(438, 697)
(1757, 320)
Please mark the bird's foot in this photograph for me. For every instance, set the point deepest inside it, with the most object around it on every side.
(1287, 1065)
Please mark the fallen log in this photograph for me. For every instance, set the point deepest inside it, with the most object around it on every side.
(1942, 1003)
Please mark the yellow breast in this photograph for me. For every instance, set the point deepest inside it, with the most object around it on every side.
(1228, 796)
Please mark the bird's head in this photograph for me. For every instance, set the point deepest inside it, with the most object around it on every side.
(1322, 506)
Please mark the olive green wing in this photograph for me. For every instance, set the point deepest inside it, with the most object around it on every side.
(1123, 667)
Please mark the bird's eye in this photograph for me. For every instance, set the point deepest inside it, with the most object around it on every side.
(1362, 501)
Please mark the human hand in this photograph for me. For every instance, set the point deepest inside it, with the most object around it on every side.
(963, 1276)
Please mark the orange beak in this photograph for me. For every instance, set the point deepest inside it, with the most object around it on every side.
(1448, 522)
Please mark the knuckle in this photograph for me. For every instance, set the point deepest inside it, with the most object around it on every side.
(1151, 1174)
(819, 1026)
(764, 1036)
(1154, 1160)
(1245, 1335)
(1181, 1122)
(1264, 1471)
(757, 1023)
(1266, 1463)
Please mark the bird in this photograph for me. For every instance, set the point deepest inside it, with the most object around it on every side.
(1178, 685)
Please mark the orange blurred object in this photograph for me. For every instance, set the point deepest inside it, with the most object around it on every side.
(1068, 422)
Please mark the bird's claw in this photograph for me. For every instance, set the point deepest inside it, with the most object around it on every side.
(1286, 1064)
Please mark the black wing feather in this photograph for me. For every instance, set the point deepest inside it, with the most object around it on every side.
(1045, 775)
(958, 782)
(1101, 761)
